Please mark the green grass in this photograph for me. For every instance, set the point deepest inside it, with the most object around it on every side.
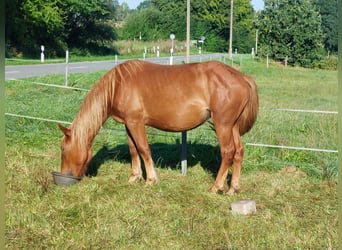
(295, 191)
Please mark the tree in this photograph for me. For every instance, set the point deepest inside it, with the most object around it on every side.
(156, 20)
(243, 32)
(145, 22)
(216, 14)
(31, 23)
(14, 28)
(290, 28)
(209, 18)
(121, 12)
(328, 12)
(173, 17)
(58, 24)
(87, 25)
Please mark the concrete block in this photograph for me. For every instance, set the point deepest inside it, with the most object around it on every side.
(244, 207)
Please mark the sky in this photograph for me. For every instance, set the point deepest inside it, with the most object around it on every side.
(257, 4)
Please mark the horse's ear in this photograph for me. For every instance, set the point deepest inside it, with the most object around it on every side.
(66, 131)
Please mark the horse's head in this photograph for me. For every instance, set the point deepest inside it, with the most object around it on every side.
(75, 157)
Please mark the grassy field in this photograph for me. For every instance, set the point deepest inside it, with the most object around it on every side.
(295, 190)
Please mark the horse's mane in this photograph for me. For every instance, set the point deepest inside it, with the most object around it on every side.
(94, 110)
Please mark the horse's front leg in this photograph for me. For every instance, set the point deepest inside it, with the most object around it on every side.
(137, 134)
(136, 172)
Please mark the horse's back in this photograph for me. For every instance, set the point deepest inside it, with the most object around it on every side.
(177, 97)
(150, 78)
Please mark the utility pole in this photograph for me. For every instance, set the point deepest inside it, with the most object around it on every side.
(256, 41)
(187, 31)
(230, 52)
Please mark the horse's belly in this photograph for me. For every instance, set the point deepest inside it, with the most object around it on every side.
(178, 119)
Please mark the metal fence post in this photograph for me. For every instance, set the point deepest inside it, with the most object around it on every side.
(184, 161)
(66, 67)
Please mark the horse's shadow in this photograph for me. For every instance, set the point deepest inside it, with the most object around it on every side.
(164, 156)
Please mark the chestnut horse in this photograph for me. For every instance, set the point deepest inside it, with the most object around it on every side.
(171, 98)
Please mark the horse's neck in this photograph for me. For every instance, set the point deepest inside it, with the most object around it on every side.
(91, 116)
(87, 131)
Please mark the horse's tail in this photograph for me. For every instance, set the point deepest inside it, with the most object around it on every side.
(250, 112)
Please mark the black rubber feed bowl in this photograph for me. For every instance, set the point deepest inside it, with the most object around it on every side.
(64, 180)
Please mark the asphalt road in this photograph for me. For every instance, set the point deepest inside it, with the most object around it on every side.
(24, 71)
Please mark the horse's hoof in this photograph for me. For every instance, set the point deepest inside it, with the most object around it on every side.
(151, 181)
(134, 178)
(231, 191)
(215, 190)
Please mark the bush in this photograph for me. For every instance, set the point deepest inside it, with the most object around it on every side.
(329, 63)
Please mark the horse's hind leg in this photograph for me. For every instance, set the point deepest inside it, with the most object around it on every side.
(137, 134)
(237, 161)
(224, 135)
(136, 172)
